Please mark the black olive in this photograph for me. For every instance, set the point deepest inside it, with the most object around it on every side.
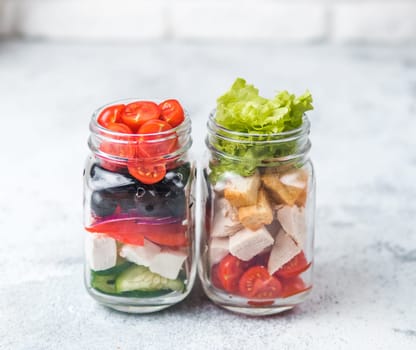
(102, 204)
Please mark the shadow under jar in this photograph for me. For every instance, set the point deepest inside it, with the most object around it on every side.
(140, 246)
(259, 195)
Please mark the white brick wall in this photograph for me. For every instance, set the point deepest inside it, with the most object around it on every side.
(260, 19)
(374, 21)
(288, 21)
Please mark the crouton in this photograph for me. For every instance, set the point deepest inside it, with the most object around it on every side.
(242, 191)
(284, 249)
(293, 221)
(286, 188)
(255, 216)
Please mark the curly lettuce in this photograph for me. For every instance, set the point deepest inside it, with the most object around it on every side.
(242, 109)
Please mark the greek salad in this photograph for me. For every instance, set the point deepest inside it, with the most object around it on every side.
(138, 240)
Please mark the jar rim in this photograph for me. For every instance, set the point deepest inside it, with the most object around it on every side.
(101, 134)
(95, 126)
(303, 129)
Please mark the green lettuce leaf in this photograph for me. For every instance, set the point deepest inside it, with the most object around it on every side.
(242, 109)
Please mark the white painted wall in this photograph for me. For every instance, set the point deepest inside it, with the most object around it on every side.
(281, 21)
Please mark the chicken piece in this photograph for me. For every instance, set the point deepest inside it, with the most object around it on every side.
(242, 191)
(284, 249)
(218, 249)
(293, 221)
(245, 244)
(287, 188)
(255, 216)
(225, 222)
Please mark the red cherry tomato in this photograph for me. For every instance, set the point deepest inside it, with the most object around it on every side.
(137, 113)
(257, 283)
(154, 126)
(119, 127)
(230, 270)
(147, 173)
(149, 146)
(294, 267)
(111, 114)
(120, 147)
(215, 277)
(172, 112)
(292, 286)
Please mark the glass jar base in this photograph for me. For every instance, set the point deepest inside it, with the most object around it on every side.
(250, 311)
(136, 305)
(258, 308)
(136, 309)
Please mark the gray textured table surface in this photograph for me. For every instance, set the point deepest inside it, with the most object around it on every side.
(364, 149)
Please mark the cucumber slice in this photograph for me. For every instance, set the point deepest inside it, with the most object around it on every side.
(140, 278)
(105, 284)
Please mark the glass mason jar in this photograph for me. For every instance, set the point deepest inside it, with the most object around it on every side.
(259, 195)
(138, 214)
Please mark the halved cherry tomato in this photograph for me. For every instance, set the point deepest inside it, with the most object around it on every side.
(256, 282)
(292, 286)
(230, 270)
(215, 278)
(122, 146)
(156, 145)
(294, 267)
(147, 173)
(137, 113)
(119, 127)
(132, 231)
(111, 114)
(172, 112)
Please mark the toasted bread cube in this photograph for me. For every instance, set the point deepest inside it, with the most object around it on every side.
(225, 222)
(246, 244)
(293, 221)
(284, 249)
(242, 191)
(255, 216)
(286, 188)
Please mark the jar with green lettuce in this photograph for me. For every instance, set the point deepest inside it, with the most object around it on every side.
(259, 196)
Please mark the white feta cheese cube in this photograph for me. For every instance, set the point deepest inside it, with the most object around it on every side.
(140, 255)
(168, 263)
(218, 249)
(284, 249)
(245, 244)
(100, 251)
(293, 221)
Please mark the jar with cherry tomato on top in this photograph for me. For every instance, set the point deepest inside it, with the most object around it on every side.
(138, 206)
(259, 197)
